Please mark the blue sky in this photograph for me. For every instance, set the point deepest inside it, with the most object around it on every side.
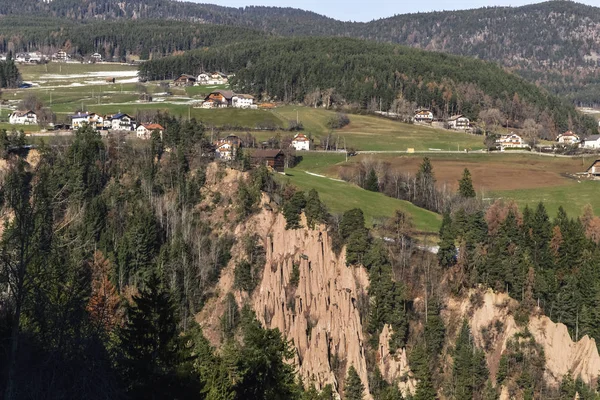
(355, 10)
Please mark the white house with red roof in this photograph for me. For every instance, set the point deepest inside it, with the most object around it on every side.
(568, 138)
(301, 142)
(144, 131)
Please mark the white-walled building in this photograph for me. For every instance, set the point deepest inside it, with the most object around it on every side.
(226, 149)
(459, 122)
(23, 118)
(144, 131)
(80, 119)
(423, 116)
(122, 122)
(242, 101)
(216, 78)
(512, 141)
(591, 142)
(301, 142)
(568, 138)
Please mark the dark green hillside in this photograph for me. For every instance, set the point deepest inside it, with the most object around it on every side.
(372, 76)
(115, 38)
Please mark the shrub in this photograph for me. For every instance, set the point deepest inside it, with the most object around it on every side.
(338, 121)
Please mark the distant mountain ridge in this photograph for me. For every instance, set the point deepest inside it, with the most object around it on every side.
(554, 43)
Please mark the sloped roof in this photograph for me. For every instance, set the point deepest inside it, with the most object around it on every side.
(592, 138)
(228, 94)
(268, 153)
(244, 96)
(22, 113)
(153, 127)
(301, 138)
(121, 115)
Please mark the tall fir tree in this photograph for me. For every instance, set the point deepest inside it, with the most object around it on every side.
(447, 251)
(353, 386)
(372, 182)
(465, 185)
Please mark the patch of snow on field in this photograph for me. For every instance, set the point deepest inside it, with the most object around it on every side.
(97, 74)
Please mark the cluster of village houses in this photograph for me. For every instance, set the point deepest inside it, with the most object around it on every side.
(117, 122)
(217, 98)
(36, 57)
(514, 141)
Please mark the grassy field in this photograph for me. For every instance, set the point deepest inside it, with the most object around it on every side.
(572, 197)
(341, 196)
(523, 178)
(36, 72)
(379, 134)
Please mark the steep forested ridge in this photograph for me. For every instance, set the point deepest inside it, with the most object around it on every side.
(552, 43)
(372, 76)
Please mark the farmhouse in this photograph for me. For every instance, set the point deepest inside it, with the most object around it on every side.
(23, 118)
(217, 78)
(185, 80)
(301, 142)
(568, 138)
(96, 57)
(144, 131)
(594, 169)
(61, 56)
(242, 101)
(459, 122)
(80, 119)
(423, 116)
(274, 159)
(592, 142)
(226, 149)
(512, 141)
(122, 122)
(220, 98)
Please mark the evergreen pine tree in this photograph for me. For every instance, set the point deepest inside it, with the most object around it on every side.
(292, 209)
(150, 349)
(353, 387)
(315, 210)
(425, 389)
(372, 183)
(465, 185)
(447, 251)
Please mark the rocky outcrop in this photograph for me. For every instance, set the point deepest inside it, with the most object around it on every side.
(319, 312)
(320, 315)
(563, 355)
(394, 367)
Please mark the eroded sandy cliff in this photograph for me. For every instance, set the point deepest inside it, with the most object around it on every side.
(563, 355)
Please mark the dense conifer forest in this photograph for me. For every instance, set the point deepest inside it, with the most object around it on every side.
(373, 76)
(114, 39)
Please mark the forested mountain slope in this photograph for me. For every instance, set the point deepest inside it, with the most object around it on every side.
(372, 76)
(552, 43)
(115, 39)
